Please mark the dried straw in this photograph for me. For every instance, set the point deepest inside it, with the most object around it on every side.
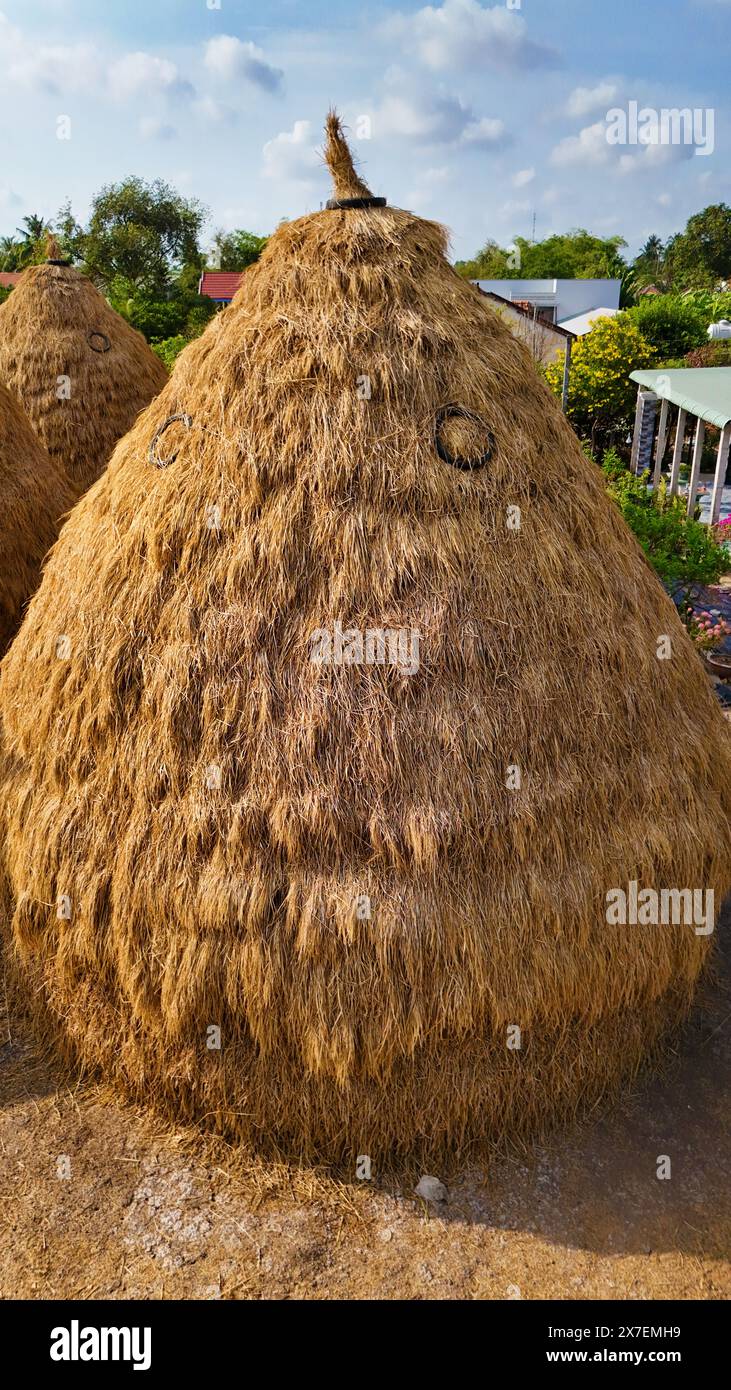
(56, 325)
(214, 804)
(34, 495)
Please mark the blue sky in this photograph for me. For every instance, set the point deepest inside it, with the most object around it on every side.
(480, 115)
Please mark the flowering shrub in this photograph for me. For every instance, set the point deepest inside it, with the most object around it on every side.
(600, 390)
(706, 628)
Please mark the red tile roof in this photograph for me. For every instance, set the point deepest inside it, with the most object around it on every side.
(220, 284)
(8, 278)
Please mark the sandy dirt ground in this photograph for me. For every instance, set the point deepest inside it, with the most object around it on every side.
(150, 1213)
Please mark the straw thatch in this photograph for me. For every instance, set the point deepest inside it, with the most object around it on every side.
(212, 808)
(34, 495)
(81, 373)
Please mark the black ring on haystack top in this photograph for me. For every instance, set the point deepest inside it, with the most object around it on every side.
(451, 412)
(96, 334)
(355, 203)
(187, 420)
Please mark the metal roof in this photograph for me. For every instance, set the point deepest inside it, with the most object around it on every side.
(702, 391)
(220, 284)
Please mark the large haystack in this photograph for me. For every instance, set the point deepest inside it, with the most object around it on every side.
(34, 495)
(82, 374)
(365, 873)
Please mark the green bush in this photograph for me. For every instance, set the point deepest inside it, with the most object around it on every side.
(182, 310)
(672, 325)
(168, 349)
(682, 550)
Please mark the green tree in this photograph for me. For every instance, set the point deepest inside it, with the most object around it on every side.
(236, 250)
(10, 253)
(32, 244)
(671, 324)
(489, 263)
(701, 255)
(601, 395)
(566, 256)
(142, 233)
(649, 263)
(69, 233)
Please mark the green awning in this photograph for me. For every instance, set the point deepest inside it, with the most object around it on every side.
(703, 391)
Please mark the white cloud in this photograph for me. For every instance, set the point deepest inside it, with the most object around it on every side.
(462, 34)
(214, 112)
(484, 132)
(585, 100)
(655, 156)
(523, 177)
(433, 117)
(143, 72)
(429, 181)
(291, 157)
(152, 128)
(429, 117)
(589, 147)
(50, 68)
(228, 58)
(664, 199)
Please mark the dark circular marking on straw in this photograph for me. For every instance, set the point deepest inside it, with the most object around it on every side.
(105, 343)
(186, 420)
(355, 203)
(459, 412)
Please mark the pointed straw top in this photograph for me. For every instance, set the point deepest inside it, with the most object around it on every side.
(348, 189)
(54, 255)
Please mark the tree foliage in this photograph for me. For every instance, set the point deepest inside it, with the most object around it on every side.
(573, 255)
(236, 250)
(141, 233)
(701, 255)
(601, 395)
(674, 326)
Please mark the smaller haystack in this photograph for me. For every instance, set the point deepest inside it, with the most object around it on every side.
(34, 494)
(82, 374)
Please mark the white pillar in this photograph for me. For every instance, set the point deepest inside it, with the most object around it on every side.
(721, 462)
(662, 432)
(695, 467)
(677, 452)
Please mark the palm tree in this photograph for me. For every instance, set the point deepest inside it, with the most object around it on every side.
(35, 227)
(10, 250)
(33, 234)
(649, 265)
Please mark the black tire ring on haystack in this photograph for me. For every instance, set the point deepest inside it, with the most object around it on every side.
(333, 203)
(187, 420)
(450, 412)
(95, 333)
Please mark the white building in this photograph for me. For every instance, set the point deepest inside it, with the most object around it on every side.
(557, 301)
